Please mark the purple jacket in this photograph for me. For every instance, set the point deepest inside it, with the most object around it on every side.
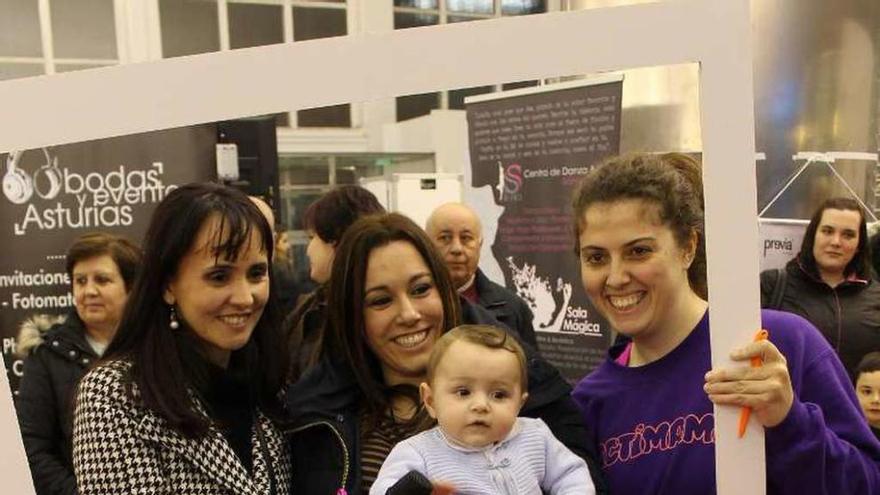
(655, 429)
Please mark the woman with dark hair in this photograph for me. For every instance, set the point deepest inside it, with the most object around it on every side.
(184, 398)
(325, 221)
(102, 269)
(638, 222)
(830, 281)
(391, 298)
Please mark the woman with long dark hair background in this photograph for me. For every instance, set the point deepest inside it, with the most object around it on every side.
(830, 281)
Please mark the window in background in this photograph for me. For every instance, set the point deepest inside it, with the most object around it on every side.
(15, 70)
(470, 6)
(313, 22)
(350, 169)
(411, 106)
(418, 4)
(418, 13)
(457, 96)
(188, 27)
(39, 38)
(255, 25)
(84, 29)
(333, 116)
(518, 85)
(523, 7)
(20, 29)
(415, 13)
(303, 178)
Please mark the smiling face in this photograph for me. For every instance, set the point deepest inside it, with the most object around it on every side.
(476, 393)
(220, 300)
(837, 239)
(99, 293)
(403, 312)
(633, 270)
(868, 390)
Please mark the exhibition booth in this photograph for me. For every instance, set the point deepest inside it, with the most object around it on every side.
(523, 106)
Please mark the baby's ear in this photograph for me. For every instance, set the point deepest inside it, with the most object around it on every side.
(525, 397)
(427, 398)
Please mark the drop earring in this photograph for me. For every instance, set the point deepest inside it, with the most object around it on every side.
(172, 319)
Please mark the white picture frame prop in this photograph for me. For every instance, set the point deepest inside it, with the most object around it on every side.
(100, 103)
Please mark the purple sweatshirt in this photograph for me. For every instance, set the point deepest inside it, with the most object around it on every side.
(655, 430)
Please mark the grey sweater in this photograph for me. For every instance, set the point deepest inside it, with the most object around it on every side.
(528, 461)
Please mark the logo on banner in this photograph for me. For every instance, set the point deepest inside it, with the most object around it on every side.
(19, 187)
(510, 182)
(784, 246)
(548, 302)
(94, 199)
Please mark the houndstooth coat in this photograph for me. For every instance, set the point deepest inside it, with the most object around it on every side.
(120, 447)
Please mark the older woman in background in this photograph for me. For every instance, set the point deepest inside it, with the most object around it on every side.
(102, 269)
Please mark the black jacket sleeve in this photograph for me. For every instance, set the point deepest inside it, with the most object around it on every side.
(526, 328)
(768, 283)
(41, 428)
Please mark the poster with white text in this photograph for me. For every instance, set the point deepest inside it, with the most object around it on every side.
(528, 149)
(53, 195)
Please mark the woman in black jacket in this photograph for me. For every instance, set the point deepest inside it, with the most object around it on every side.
(325, 220)
(102, 269)
(830, 281)
(389, 298)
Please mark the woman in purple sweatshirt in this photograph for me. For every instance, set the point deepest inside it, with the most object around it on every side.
(648, 408)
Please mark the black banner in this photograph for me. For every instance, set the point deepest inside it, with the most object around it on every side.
(52, 195)
(531, 148)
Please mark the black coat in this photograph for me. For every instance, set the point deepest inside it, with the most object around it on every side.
(45, 404)
(324, 430)
(304, 328)
(506, 307)
(847, 315)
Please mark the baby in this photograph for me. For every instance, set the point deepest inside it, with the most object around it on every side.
(868, 389)
(475, 389)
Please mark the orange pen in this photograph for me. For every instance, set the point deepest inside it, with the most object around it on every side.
(746, 410)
